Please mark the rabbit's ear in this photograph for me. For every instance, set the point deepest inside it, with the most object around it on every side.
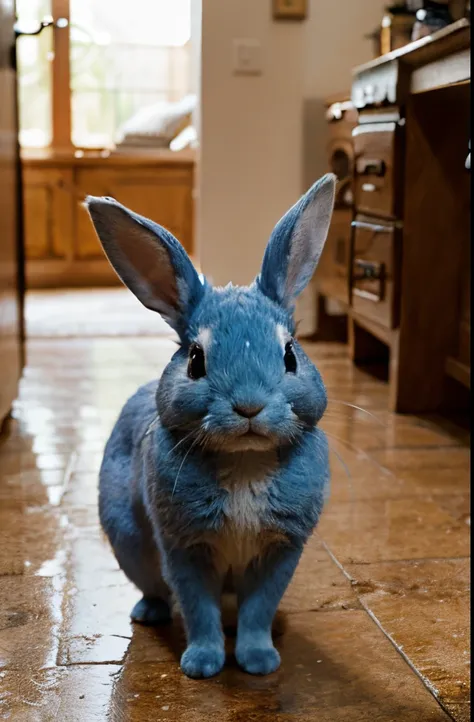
(148, 259)
(296, 244)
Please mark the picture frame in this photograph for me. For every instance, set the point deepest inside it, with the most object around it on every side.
(290, 9)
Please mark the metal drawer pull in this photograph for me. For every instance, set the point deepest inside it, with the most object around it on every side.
(377, 228)
(369, 271)
(371, 227)
(371, 167)
(368, 187)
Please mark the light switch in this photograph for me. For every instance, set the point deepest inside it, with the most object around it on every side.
(247, 56)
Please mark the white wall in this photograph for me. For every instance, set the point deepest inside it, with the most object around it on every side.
(334, 43)
(258, 151)
(251, 136)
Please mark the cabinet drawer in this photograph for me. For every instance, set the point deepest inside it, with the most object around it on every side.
(334, 266)
(378, 153)
(375, 271)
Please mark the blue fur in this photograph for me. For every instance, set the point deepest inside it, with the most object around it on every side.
(259, 593)
(163, 500)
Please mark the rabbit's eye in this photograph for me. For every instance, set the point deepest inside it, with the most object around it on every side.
(196, 363)
(290, 358)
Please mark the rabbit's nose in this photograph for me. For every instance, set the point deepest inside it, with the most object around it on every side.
(248, 412)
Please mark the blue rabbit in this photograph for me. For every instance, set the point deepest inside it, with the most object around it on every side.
(217, 470)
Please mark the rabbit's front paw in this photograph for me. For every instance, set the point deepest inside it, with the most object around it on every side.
(151, 611)
(202, 661)
(257, 660)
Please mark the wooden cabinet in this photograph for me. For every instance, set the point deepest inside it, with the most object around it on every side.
(402, 273)
(332, 275)
(62, 248)
(375, 277)
(458, 365)
(410, 268)
(162, 194)
(48, 202)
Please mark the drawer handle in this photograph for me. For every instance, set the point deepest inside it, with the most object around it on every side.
(368, 187)
(374, 227)
(365, 166)
(369, 271)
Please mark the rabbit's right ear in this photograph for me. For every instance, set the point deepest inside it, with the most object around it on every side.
(149, 260)
(296, 244)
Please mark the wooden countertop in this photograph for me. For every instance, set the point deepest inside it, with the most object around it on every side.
(430, 63)
(47, 156)
(451, 39)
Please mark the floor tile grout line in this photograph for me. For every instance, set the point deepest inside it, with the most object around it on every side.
(426, 683)
(407, 561)
(420, 447)
(102, 663)
(335, 560)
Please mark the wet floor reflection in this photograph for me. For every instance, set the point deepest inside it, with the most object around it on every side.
(390, 559)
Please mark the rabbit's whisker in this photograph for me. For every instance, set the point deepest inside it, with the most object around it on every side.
(339, 415)
(363, 453)
(357, 408)
(182, 463)
(181, 441)
(345, 467)
(335, 422)
(342, 462)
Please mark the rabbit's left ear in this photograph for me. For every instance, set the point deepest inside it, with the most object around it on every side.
(296, 244)
(149, 260)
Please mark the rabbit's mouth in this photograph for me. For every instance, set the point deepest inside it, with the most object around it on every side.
(249, 441)
(227, 427)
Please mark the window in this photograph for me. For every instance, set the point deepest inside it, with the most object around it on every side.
(34, 55)
(123, 56)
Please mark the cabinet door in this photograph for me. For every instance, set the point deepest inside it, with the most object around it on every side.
(48, 212)
(162, 194)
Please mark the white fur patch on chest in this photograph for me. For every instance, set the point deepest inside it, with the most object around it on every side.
(246, 477)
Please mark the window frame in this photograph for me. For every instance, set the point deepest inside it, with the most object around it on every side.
(61, 90)
(61, 134)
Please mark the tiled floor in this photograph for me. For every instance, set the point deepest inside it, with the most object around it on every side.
(376, 616)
